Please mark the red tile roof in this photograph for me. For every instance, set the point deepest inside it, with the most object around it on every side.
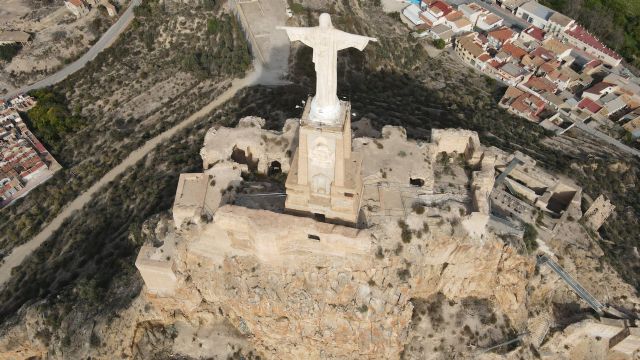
(590, 105)
(535, 32)
(549, 66)
(495, 63)
(76, 2)
(539, 84)
(593, 64)
(534, 62)
(454, 15)
(598, 88)
(557, 75)
(513, 92)
(502, 34)
(513, 50)
(543, 53)
(528, 104)
(484, 57)
(444, 7)
(580, 33)
(491, 19)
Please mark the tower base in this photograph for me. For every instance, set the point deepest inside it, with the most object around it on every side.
(324, 179)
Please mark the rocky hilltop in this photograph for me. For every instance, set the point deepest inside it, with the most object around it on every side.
(414, 284)
(338, 241)
(417, 279)
(300, 300)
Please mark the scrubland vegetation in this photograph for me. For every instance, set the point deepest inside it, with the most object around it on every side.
(451, 327)
(8, 51)
(51, 118)
(131, 92)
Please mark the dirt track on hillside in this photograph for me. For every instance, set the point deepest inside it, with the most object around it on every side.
(21, 252)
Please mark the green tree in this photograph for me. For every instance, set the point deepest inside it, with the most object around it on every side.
(529, 237)
(51, 118)
(296, 8)
(8, 51)
(212, 26)
(439, 43)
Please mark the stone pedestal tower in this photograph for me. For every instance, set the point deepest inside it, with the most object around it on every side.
(325, 178)
(325, 175)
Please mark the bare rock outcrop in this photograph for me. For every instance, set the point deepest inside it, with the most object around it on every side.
(332, 307)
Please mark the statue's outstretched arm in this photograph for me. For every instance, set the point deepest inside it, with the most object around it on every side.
(345, 40)
(298, 34)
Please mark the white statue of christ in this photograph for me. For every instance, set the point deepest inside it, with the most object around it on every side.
(326, 41)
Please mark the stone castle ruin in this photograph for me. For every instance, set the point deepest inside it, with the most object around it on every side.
(324, 264)
(598, 212)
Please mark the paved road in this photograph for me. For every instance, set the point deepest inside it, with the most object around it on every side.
(260, 19)
(606, 138)
(21, 252)
(269, 74)
(105, 41)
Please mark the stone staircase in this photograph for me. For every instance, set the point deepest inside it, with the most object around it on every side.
(538, 328)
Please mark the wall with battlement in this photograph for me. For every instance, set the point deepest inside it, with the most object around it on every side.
(277, 238)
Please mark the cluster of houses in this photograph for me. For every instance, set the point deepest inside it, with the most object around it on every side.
(23, 158)
(557, 72)
(80, 8)
(439, 20)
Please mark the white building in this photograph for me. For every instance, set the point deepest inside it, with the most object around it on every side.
(534, 13)
(458, 22)
(411, 16)
(511, 5)
(598, 90)
(579, 37)
(544, 18)
(442, 32)
(558, 23)
(489, 22)
(472, 12)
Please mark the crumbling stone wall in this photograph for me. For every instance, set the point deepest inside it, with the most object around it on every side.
(598, 212)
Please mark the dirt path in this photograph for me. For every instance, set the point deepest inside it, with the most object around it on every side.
(21, 252)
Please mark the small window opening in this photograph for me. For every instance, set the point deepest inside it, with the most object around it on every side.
(313, 237)
(349, 195)
(416, 182)
(275, 168)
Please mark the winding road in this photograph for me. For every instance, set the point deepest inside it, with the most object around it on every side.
(18, 254)
(104, 42)
(267, 74)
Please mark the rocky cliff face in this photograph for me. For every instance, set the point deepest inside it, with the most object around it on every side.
(437, 294)
(323, 307)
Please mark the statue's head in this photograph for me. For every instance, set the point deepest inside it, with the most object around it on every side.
(325, 21)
